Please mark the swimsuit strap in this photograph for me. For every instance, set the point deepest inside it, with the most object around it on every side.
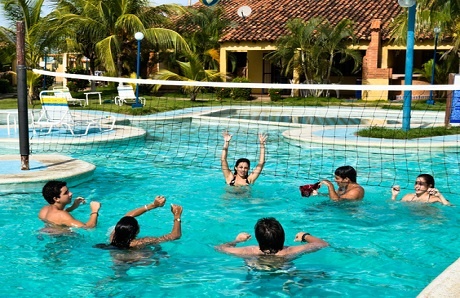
(232, 183)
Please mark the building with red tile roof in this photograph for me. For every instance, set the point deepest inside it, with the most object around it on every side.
(253, 36)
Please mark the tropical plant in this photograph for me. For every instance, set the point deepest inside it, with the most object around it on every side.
(202, 28)
(442, 70)
(77, 84)
(36, 38)
(275, 94)
(240, 93)
(104, 30)
(192, 71)
(444, 14)
(309, 49)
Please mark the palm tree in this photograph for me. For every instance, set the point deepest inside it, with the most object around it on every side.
(297, 50)
(202, 28)
(334, 41)
(310, 48)
(36, 39)
(192, 70)
(104, 30)
(444, 14)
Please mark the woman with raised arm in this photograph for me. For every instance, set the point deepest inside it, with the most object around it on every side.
(127, 228)
(241, 176)
(425, 192)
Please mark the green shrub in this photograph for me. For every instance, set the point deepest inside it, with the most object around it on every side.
(7, 75)
(78, 84)
(222, 93)
(5, 86)
(275, 94)
(72, 86)
(241, 93)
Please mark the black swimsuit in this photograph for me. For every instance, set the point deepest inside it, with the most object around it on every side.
(232, 183)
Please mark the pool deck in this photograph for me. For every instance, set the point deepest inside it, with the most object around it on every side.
(48, 167)
(445, 285)
(42, 168)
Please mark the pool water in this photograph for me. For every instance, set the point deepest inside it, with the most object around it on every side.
(377, 247)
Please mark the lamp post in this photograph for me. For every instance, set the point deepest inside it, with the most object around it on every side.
(436, 30)
(411, 5)
(44, 67)
(138, 36)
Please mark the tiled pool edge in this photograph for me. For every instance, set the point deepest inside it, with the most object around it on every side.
(446, 284)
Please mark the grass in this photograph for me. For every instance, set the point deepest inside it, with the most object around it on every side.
(176, 101)
(388, 133)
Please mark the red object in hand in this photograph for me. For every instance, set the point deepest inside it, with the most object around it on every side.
(306, 190)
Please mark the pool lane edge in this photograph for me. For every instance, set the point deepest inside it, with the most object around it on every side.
(56, 167)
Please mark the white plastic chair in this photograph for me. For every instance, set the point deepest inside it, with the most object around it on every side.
(125, 94)
(55, 113)
(65, 92)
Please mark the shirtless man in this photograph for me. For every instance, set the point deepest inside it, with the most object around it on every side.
(270, 236)
(349, 189)
(58, 196)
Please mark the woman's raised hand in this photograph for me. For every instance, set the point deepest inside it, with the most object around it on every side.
(263, 138)
(159, 201)
(227, 136)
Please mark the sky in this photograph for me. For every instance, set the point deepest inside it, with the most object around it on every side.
(153, 2)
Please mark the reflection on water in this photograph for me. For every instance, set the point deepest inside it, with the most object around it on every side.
(426, 213)
(278, 276)
(239, 192)
(125, 259)
(59, 246)
(269, 263)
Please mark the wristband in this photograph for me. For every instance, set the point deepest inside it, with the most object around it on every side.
(304, 236)
(94, 213)
(146, 209)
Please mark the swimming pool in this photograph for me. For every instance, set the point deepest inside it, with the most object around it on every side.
(377, 247)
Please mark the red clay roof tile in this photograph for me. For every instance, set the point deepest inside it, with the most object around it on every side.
(268, 19)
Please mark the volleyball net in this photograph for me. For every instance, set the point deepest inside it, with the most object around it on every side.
(312, 128)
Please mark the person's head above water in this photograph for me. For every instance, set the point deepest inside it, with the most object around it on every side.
(425, 178)
(52, 189)
(125, 231)
(270, 235)
(243, 164)
(346, 172)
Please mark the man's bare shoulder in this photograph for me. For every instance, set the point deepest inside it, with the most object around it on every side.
(54, 216)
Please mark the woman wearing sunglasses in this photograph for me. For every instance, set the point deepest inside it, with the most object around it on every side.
(425, 192)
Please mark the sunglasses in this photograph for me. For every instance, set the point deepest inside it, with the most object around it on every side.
(420, 183)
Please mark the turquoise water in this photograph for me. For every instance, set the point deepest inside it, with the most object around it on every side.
(377, 247)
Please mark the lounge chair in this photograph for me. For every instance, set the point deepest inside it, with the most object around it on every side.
(65, 92)
(125, 94)
(55, 113)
